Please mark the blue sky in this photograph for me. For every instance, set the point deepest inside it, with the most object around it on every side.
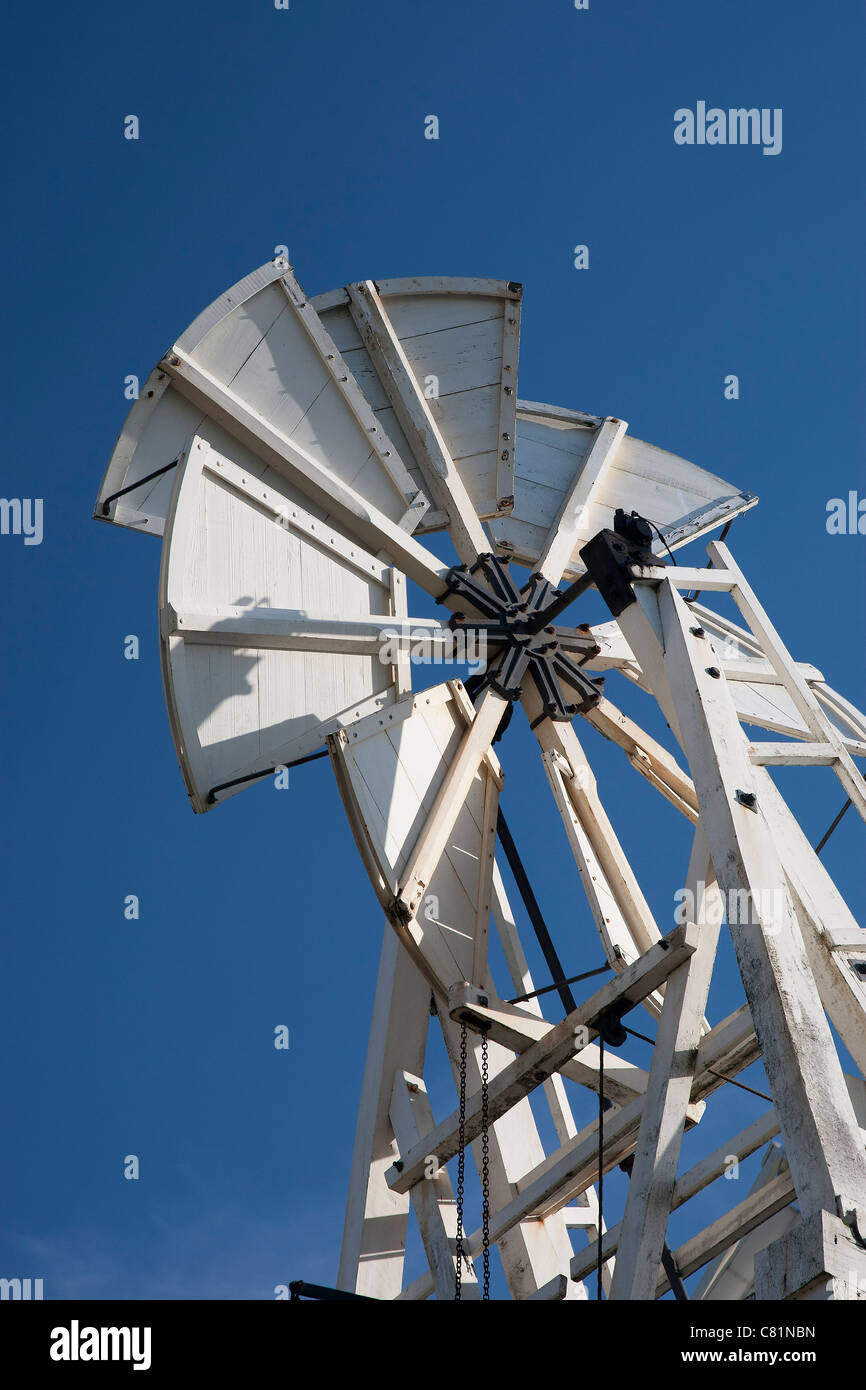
(261, 127)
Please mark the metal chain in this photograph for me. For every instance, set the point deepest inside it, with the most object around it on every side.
(461, 1171)
(485, 1165)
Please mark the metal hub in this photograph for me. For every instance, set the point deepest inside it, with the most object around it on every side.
(516, 623)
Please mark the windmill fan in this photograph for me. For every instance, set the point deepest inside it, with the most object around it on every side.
(293, 453)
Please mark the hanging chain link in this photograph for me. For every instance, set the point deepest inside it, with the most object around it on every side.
(485, 1165)
(461, 1171)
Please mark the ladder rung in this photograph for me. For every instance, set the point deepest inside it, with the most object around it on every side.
(766, 754)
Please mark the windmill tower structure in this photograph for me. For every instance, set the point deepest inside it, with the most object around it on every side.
(293, 454)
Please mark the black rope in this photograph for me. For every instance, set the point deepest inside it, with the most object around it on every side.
(539, 926)
(140, 483)
(572, 980)
(824, 838)
(266, 772)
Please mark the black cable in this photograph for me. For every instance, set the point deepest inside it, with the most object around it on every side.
(669, 1265)
(539, 926)
(140, 483)
(266, 772)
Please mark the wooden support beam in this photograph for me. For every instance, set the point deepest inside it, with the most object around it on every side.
(486, 865)
(815, 1112)
(570, 522)
(532, 1252)
(563, 1175)
(668, 1095)
(757, 1208)
(619, 907)
(688, 1185)
(374, 1235)
(433, 836)
(433, 1197)
(283, 629)
(647, 756)
(810, 711)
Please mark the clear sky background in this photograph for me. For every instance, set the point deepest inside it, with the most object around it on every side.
(261, 127)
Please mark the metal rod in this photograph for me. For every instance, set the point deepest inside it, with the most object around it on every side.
(559, 605)
(539, 926)
(572, 980)
(742, 1085)
(299, 1288)
(265, 772)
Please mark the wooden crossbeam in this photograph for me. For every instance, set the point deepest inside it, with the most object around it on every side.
(815, 1112)
(419, 425)
(668, 1095)
(541, 1058)
(791, 677)
(564, 533)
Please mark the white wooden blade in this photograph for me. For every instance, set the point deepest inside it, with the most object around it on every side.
(555, 446)
(460, 339)
(391, 769)
(263, 341)
(240, 703)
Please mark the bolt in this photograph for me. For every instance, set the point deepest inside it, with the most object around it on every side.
(747, 799)
(697, 631)
(714, 672)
